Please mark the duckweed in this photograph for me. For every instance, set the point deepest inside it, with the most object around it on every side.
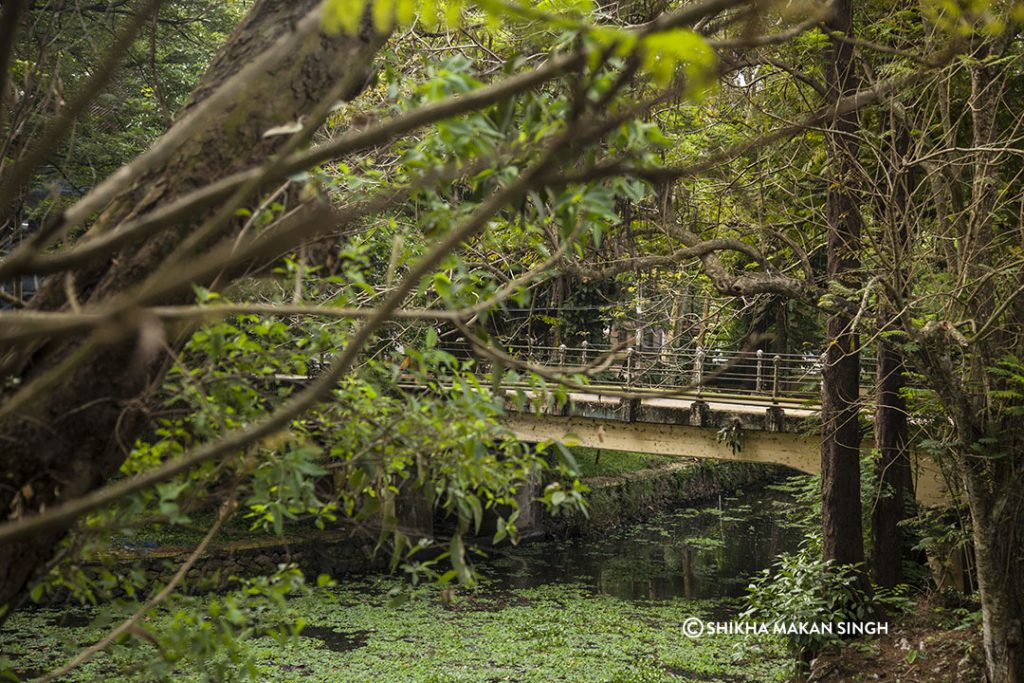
(554, 632)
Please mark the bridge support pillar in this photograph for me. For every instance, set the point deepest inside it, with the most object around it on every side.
(950, 571)
(629, 408)
(700, 412)
(529, 509)
(775, 419)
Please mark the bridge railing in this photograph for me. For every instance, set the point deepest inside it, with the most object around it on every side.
(692, 370)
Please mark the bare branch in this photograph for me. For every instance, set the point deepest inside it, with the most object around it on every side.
(58, 128)
(62, 515)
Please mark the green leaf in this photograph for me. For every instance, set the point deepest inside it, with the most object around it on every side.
(343, 15)
(457, 554)
(478, 512)
(664, 52)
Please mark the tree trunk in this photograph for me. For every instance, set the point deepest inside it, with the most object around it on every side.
(842, 539)
(993, 481)
(999, 556)
(893, 475)
(892, 468)
(781, 344)
(79, 430)
(994, 489)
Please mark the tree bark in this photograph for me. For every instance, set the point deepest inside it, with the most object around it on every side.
(842, 539)
(995, 496)
(990, 430)
(892, 468)
(999, 559)
(79, 431)
(893, 476)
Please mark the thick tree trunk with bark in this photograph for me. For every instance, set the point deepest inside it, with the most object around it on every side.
(840, 431)
(989, 460)
(893, 474)
(79, 431)
(999, 558)
(992, 462)
(892, 468)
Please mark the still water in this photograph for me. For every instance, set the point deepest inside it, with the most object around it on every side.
(710, 550)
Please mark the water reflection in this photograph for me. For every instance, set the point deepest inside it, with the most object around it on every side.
(695, 553)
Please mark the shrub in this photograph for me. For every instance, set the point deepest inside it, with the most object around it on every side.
(803, 588)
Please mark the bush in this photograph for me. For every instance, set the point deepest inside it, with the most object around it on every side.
(803, 588)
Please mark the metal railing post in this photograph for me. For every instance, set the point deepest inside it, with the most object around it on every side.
(776, 362)
(698, 370)
(759, 386)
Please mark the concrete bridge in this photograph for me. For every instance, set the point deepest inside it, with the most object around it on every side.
(704, 404)
(698, 403)
(699, 428)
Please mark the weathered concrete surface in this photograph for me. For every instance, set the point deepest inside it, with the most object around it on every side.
(689, 427)
(781, 448)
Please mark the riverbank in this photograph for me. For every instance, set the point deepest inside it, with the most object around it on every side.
(935, 642)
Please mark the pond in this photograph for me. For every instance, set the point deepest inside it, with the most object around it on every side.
(607, 609)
